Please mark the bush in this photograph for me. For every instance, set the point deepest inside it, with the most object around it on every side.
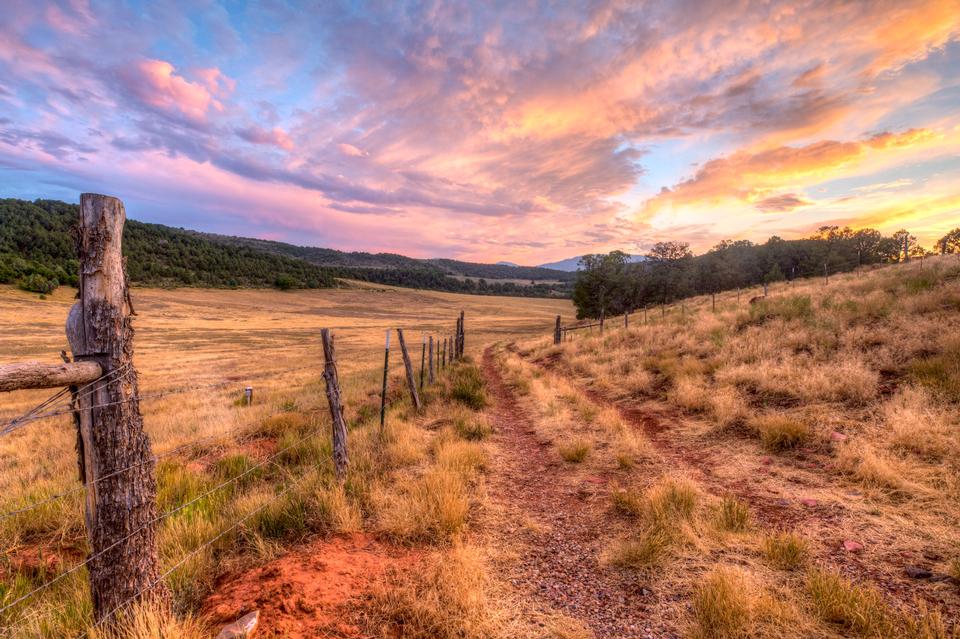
(734, 515)
(794, 307)
(36, 283)
(574, 451)
(940, 373)
(779, 432)
(467, 386)
(785, 550)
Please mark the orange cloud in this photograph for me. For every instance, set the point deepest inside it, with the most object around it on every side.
(756, 177)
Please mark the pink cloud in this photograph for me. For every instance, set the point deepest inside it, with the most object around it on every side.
(258, 135)
(156, 83)
(350, 150)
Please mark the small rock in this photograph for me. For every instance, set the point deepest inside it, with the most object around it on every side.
(852, 546)
(810, 503)
(837, 437)
(916, 572)
(242, 627)
(766, 460)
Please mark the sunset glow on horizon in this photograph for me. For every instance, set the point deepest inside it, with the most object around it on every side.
(526, 132)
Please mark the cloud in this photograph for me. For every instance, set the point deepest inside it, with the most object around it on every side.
(751, 177)
(258, 135)
(349, 150)
(783, 203)
(155, 83)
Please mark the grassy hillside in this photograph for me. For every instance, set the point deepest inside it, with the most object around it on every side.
(36, 238)
(784, 469)
(37, 252)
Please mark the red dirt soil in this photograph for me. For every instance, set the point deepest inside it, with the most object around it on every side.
(307, 592)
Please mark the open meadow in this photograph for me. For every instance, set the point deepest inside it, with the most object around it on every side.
(195, 351)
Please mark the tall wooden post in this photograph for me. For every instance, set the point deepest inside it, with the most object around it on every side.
(443, 356)
(462, 338)
(713, 302)
(383, 390)
(626, 319)
(120, 508)
(601, 323)
(409, 368)
(826, 274)
(423, 358)
(334, 399)
(556, 331)
(430, 357)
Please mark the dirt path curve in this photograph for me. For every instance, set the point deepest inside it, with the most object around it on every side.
(557, 523)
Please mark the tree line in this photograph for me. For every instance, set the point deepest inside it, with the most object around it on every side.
(38, 253)
(608, 285)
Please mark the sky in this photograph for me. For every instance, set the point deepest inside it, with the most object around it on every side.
(520, 131)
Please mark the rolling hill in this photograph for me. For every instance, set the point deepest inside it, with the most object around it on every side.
(37, 252)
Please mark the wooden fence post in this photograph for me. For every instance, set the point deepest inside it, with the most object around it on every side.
(121, 508)
(713, 301)
(409, 368)
(826, 275)
(334, 399)
(383, 391)
(443, 356)
(461, 340)
(430, 354)
(423, 358)
(556, 331)
(626, 319)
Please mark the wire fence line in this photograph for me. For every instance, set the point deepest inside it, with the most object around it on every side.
(68, 406)
(152, 522)
(196, 551)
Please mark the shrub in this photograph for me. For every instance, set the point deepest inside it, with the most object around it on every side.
(36, 283)
(472, 427)
(467, 386)
(940, 373)
(780, 432)
(721, 606)
(793, 307)
(574, 451)
(734, 515)
(859, 609)
(785, 550)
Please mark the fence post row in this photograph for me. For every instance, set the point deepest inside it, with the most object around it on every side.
(409, 369)
(334, 399)
(123, 565)
(383, 391)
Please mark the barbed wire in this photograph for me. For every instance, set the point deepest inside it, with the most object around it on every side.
(155, 520)
(193, 553)
(68, 407)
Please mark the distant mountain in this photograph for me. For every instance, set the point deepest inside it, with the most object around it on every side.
(505, 263)
(572, 264)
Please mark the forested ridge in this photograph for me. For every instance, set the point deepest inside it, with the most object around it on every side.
(608, 285)
(37, 252)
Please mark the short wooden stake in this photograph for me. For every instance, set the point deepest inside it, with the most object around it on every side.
(408, 366)
(335, 401)
(423, 360)
(383, 390)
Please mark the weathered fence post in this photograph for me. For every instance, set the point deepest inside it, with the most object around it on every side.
(826, 275)
(556, 331)
(644, 315)
(409, 368)
(443, 356)
(601, 323)
(248, 395)
(430, 357)
(383, 391)
(713, 302)
(121, 508)
(334, 399)
(765, 288)
(462, 338)
(626, 319)
(423, 356)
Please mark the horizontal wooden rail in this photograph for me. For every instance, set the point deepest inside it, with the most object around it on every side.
(37, 375)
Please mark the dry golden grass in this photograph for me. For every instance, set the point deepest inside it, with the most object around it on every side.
(855, 386)
(417, 482)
